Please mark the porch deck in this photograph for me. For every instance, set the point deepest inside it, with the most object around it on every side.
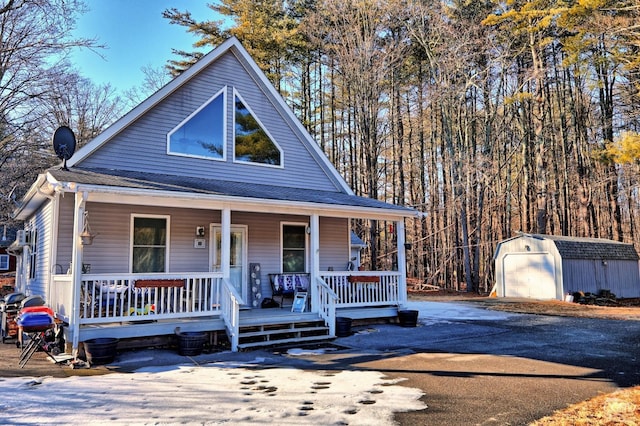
(131, 306)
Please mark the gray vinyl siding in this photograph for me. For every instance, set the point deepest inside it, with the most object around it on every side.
(335, 243)
(110, 251)
(42, 221)
(142, 146)
(65, 234)
(591, 275)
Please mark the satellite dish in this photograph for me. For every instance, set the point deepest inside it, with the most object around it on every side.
(64, 144)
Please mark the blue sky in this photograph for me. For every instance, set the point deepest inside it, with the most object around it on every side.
(136, 35)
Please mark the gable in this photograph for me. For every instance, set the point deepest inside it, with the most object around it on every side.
(141, 141)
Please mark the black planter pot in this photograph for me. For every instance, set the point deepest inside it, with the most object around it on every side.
(191, 343)
(100, 351)
(408, 318)
(343, 326)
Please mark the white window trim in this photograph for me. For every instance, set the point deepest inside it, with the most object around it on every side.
(32, 250)
(167, 245)
(222, 92)
(4, 258)
(306, 243)
(264, 128)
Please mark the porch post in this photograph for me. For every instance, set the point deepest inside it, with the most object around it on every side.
(402, 263)
(314, 226)
(76, 268)
(225, 237)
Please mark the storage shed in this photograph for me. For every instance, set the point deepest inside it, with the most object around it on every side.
(550, 266)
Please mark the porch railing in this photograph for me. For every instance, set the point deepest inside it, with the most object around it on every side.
(363, 288)
(231, 301)
(127, 297)
(327, 305)
(61, 296)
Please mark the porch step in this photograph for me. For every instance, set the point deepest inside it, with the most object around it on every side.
(276, 331)
(306, 339)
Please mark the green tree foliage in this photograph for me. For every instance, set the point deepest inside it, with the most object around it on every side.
(266, 29)
(491, 117)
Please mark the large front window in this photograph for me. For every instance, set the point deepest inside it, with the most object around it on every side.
(202, 134)
(149, 244)
(252, 143)
(294, 248)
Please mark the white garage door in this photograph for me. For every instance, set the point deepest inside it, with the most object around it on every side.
(529, 275)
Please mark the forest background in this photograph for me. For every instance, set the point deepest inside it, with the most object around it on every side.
(489, 117)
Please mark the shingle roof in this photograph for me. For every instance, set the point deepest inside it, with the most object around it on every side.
(185, 184)
(591, 248)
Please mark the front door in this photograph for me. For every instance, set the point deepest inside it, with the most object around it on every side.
(239, 273)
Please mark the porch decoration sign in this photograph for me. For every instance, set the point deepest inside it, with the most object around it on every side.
(254, 279)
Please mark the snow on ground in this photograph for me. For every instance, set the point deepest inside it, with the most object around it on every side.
(233, 393)
(211, 394)
(443, 312)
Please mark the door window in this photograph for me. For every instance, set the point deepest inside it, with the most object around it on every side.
(238, 259)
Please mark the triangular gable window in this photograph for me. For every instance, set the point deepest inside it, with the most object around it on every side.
(202, 134)
(252, 143)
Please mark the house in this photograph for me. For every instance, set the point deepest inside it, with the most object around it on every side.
(184, 211)
(550, 266)
(7, 260)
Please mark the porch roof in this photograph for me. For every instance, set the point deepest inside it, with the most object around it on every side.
(162, 183)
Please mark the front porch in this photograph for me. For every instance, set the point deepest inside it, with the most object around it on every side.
(136, 306)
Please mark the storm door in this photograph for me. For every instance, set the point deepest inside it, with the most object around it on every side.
(238, 274)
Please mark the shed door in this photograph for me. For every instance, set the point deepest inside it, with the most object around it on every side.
(529, 275)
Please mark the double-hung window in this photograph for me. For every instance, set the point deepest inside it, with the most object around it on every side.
(294, 248)
(149, 243)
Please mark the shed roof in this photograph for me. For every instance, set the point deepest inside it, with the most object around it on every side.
(591, 248)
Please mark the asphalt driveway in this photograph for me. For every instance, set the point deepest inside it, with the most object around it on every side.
(474, 366)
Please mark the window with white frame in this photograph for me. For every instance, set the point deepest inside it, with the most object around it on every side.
(4, 262)
(33, 252)
(252, 143)
(202, 134)
(149, 243)
(294, 247)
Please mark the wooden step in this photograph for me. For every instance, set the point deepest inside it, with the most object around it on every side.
(283, 318)
(305, 339)
(282, 329)
(272, 332)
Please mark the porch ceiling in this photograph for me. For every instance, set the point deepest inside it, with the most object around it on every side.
(215, 189)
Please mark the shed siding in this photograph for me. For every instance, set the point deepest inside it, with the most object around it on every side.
(591, 275)
(620, 276)
(142, 146)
